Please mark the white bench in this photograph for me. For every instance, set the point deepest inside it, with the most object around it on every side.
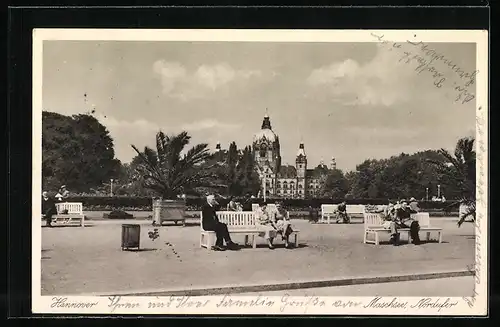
(238, 222)
(328, 211)
(373, 225)
(355, 209)
(74, 212)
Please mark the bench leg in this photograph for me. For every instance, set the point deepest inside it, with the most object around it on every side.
(409, 237)
(82, 224)
(254, 242)
(364, 237)
(246, 240)
(376, 238)
(440, 237)
(428, 236)
(296, 240)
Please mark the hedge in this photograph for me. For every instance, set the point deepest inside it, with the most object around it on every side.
(129, 203)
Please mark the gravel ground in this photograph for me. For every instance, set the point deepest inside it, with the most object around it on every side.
(85, 260)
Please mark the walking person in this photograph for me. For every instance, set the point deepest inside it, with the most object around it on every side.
(48, 208)
(210, 222)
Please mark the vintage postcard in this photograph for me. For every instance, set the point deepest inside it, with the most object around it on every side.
(280, 172)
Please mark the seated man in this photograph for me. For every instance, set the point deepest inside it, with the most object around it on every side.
(282, 223)
(402, 219)
(342, 213)
(266, 224)
(211, 223)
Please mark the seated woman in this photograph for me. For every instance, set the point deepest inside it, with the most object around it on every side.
(282, 223)
(266, 224)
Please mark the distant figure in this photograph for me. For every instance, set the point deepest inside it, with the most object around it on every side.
(232, 206)
(210, 222)
(342, 213)
(443, 199)
(247, 203)
(313, 215)
(414, 205)
(63, 191)
(48, 208)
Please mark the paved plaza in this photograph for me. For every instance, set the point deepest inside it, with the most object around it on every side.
(89, 260)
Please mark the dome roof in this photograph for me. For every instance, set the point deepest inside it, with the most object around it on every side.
(264, 135)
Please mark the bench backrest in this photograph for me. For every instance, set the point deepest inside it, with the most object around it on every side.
(72, 207)
(355, 208)
(234, 219)
(328, 209)
(423, 218)
(372, 220)
(375, 219)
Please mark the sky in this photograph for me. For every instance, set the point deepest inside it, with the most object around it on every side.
(351, 101)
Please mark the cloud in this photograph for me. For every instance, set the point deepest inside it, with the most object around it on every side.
(208, 124)
(179, 83)
(381, 81)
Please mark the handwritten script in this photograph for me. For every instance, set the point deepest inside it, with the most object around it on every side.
(425, 60)
(481, 202)
(283, 304)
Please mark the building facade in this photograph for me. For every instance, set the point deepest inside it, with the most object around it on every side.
(285, 181)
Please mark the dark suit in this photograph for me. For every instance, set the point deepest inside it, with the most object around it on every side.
(211, 223)
(48, 209)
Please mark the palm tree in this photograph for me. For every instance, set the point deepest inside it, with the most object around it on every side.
(460, 169)
(169, 172)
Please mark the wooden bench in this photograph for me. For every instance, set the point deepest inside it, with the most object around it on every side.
(68, 212)
(328, 211)
(238, 222)
(374, 224)
(355, 209)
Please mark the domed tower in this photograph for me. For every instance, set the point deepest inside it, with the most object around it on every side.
(266, 151)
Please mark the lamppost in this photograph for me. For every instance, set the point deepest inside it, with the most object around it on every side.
(111, 185)
(439, 191)
(426, 194)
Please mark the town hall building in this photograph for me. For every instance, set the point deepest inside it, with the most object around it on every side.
(285, 181)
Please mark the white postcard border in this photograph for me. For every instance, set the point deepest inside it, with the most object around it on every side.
(473, 306)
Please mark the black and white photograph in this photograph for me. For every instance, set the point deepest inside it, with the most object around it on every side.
(285, 172)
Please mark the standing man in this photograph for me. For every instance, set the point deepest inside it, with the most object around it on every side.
(210, 222)
(48, 208)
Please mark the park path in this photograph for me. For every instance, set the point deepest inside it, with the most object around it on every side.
(89, 260)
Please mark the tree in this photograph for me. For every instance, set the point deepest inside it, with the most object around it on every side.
(460, 169)
(335, 185)
(170, 173)
(76, 151)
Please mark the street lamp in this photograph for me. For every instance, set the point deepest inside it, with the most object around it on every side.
(426, 194)
(111, 184)
(439, 191)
